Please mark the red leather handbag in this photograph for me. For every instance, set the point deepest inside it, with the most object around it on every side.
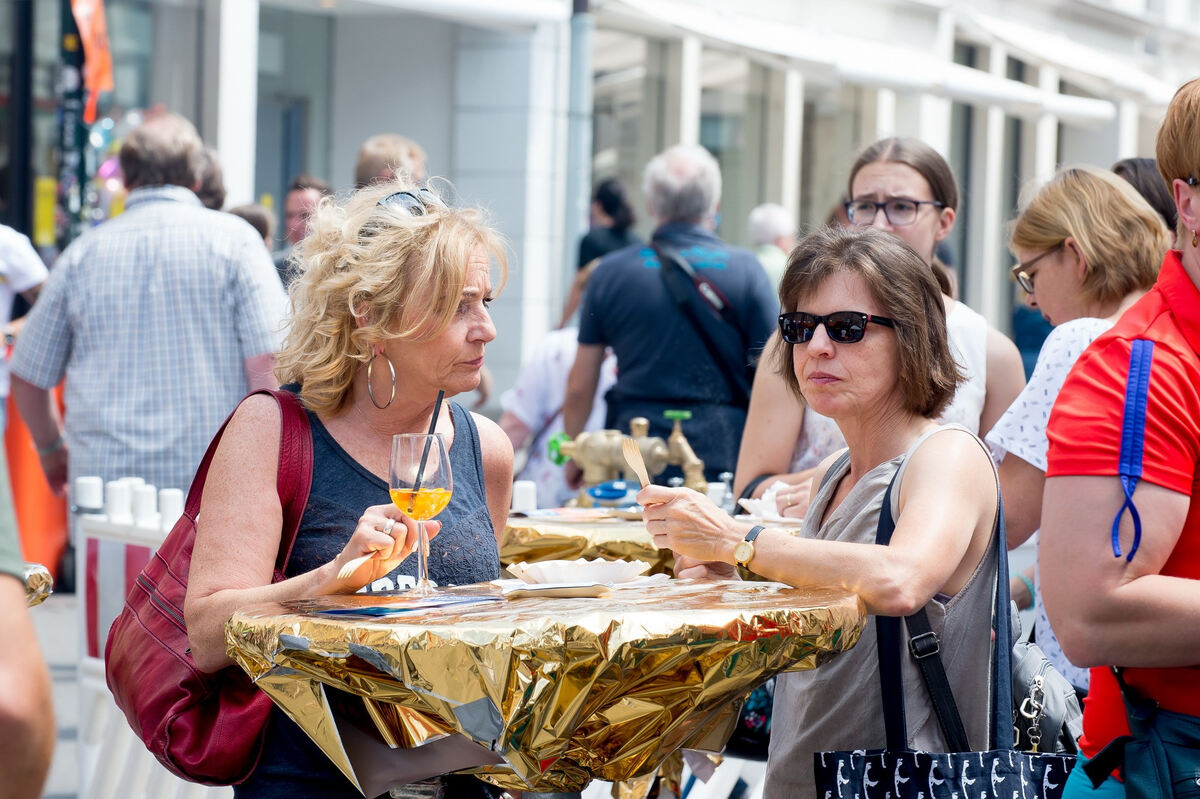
(205, 728)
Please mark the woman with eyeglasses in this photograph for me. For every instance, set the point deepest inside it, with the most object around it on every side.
(864, 332)
(1119, 548)
(390, 307)
(904, 187)
(1088, 246)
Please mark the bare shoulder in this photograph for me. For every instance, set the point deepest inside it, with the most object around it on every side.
(495, 446)
(256, 422)
(1001, 351)
(950, 461)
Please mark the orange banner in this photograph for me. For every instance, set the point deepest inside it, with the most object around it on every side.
(97, 55)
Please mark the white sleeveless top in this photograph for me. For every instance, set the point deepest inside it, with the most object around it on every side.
(967, 331)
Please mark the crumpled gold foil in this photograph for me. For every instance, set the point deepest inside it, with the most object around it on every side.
(563, 690)
(531, 540)
(39, 584)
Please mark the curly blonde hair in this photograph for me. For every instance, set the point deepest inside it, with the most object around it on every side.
(368, 273)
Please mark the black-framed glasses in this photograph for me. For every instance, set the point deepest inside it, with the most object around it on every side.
(1024, 277)
(844, 327)
(417, 203)
(899, 211)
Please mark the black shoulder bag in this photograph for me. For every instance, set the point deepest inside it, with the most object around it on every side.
(683, 285)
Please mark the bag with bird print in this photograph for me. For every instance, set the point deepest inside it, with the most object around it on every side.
(898, 772)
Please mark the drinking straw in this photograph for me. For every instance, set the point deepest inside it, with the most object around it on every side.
(437, 407)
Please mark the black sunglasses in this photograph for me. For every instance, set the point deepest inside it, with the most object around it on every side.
(844, 327)
(417, 203)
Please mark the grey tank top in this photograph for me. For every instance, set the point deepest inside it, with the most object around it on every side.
(838, 706)
(342, 488)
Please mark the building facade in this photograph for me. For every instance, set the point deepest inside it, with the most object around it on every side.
(783, 92)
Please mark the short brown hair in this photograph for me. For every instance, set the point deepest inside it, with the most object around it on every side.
(902, 283)
(211, 190)
(364, 273)
(259, 217)
(305, 181)
(165, 150)
(1177, 148)
(1121, 237)
(929, 163)
(385, 156)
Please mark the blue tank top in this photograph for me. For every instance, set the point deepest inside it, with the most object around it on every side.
(465, 551)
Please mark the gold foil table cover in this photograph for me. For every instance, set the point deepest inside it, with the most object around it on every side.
(535, 539)
(39, 584)
(562, 690)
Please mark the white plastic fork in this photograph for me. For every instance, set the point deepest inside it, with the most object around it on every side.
(352, 565)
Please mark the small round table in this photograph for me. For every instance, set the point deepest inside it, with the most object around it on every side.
(538, 694)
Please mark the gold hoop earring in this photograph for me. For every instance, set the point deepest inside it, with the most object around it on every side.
(371, 391)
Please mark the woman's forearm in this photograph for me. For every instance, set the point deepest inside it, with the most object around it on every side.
(206, 616)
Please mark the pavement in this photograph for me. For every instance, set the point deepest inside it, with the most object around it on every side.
(57, 631)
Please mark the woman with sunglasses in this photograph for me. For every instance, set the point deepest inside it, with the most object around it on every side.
(904, 187)
(1088, 246)
(389, 307)
(865, 344)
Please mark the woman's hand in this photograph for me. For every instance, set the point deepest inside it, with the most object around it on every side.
(688, 523)
(691, 569)
(383, 529)
(793, 501)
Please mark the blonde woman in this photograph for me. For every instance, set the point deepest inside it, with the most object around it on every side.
(390, 306)
(1087, 246)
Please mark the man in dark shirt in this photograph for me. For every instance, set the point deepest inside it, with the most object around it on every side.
(662, 363)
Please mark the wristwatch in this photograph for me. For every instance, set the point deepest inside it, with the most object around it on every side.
(743, 553)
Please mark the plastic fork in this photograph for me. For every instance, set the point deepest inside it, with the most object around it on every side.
(633, 456)
(352, 565)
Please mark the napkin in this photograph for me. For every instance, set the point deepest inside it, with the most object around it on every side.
(765, 507)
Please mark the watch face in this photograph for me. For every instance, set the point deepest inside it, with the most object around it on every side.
(743, 553)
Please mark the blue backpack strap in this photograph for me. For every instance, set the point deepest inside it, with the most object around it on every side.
(1133, 439)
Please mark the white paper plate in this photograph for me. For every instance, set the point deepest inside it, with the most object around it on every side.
(785, 521)
(515, 589)
(597, 570)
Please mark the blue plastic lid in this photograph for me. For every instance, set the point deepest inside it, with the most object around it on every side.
(612, 490)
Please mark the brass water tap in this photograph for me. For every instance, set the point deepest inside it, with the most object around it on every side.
(681, 454)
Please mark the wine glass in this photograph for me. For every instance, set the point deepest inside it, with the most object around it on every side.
(420, 484)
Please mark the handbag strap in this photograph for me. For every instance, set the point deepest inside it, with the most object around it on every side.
(924, 647)
(293, 479)
(682, 283)
(1133, 439)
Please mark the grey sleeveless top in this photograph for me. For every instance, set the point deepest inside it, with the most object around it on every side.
(838, 706)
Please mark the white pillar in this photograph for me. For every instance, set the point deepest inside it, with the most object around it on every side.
(689, 90)
(681, 115)
(885, 114)
(237, 97)
(1045, 143)
(987, 191)
(784, 139)
(793, 141)
(934, 124)
(1128, 118)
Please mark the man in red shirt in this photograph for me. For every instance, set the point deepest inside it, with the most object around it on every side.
(1127, 601)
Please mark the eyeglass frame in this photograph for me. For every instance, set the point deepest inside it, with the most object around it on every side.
(819, 321)
(848, 206)
(1020, 273)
